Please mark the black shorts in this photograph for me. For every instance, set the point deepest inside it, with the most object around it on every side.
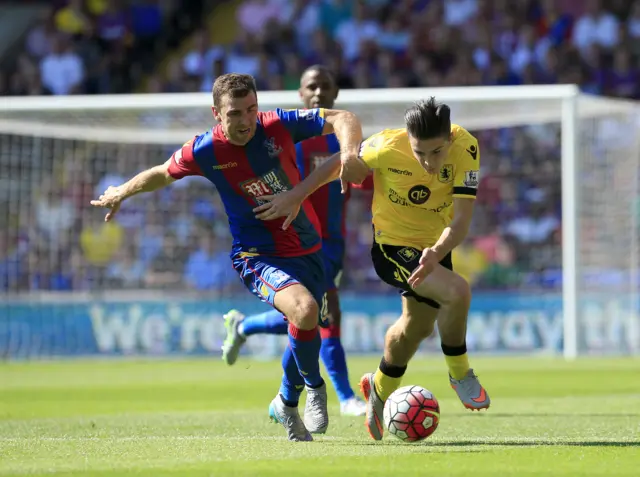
(394, 265)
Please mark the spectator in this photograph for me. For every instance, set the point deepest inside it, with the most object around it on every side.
(114, 24)
(200, 59)
(459, 12)
(623, 78)
(61, 70)
(304, 15)
(208, 267)
(536, 226)
(41, 36)
(553, 24)
(596, 26)
(352, 32)
(164, 271)
(127, 270)
(73, 19)
(334, 13)
(633, 23)
(253, 15)
(100, 240)
(55, 211)
(244, 55)
(393, 37)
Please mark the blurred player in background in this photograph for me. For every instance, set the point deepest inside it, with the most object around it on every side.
(425, 183)
(247, 156)
(318, 89)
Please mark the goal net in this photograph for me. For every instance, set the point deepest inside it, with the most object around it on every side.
(552, 255)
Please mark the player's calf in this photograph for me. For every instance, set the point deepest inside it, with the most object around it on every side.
(455, 301)
(453, 294)
(302, 312)
(401, 342)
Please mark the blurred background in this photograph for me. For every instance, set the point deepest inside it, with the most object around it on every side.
(52, 241)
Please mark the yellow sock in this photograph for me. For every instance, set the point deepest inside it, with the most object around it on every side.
(458, 365)
(385, 385)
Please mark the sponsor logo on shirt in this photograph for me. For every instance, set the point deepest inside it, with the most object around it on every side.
(402, 172)
(268, 184)
(228, 165)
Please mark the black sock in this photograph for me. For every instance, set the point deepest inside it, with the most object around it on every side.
(391, 370)
(454, 350)
(288, 403)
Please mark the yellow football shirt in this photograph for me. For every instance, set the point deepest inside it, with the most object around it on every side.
(410, 206)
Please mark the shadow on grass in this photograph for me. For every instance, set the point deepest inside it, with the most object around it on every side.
(490, 414)
(478, 444)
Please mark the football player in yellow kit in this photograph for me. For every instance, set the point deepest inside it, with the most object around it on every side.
(425, 182)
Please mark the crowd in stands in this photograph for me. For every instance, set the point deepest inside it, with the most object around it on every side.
(180, 241)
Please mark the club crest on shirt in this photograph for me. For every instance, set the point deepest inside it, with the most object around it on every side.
(446, 173)
(272, 148)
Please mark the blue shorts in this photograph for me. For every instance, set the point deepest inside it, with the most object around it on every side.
(264, 276)
(333, 252)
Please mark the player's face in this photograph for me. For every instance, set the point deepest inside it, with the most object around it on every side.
(318, 90)
(430, 153)
(238, 117)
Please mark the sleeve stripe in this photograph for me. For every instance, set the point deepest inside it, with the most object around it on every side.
(465, 191)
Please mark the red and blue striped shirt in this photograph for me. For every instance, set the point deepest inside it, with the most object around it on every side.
(265, 165)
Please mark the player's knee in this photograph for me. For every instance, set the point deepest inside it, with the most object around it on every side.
(304, 313)
(461, 291)
(457, 292)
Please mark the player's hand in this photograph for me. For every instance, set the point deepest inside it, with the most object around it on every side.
(352, 169)
(428, 262)
(111, 199)
(286, 204)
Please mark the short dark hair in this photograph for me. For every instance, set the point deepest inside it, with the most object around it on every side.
(320, 69)
(235, 85)
(428, 119)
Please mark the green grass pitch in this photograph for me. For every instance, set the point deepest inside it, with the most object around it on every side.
(199, 418)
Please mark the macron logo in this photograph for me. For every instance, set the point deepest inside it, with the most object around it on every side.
(228, 165)
(400, 171)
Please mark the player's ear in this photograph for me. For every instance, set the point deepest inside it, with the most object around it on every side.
(335, 96)
(216, 114)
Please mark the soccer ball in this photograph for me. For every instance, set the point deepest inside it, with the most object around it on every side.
(411, 413)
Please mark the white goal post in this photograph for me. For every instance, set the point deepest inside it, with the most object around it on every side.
(600, 170)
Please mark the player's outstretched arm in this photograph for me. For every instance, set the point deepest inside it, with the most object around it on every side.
(287, 204)
(147, 181)
(348, 131)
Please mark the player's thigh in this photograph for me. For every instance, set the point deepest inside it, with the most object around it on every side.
(418, 318)
(298, 305)
(394, 265)
(445, 287)
(293, 286)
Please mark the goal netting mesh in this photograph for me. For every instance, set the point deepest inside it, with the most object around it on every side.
(57, 154)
